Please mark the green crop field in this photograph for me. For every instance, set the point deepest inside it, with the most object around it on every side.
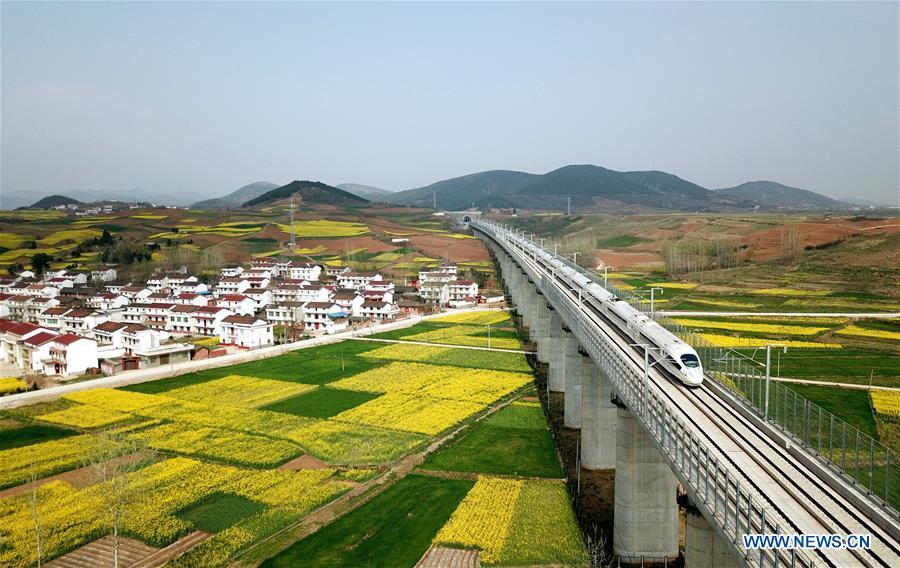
(394, 529)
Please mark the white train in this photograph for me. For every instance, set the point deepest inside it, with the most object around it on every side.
(667, 350)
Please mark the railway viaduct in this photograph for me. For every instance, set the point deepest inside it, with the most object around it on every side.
(741, 475)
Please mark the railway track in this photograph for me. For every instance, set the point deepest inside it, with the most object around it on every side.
(804, 502)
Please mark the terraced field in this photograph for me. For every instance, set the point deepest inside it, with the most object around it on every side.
(245, 451)
(202, 240)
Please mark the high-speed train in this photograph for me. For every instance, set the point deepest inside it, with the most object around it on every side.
(667, 350)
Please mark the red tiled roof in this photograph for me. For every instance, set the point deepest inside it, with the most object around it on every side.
(40, 338)
(111, 326)
(241, 319)
(234, 297)
(23, 328)
(68, 339)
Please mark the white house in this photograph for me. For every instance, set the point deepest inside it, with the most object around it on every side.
(81, 322)
(110, 333)
(51, 318)
(246, 332)
(261, 297)
(230, 271)
(35, 352)
(324, 317)
(304, 271)
(378, 311)
(104, 274)
(238, 303)
(191, 299)
(71, 355)
(231, 285)
(349, 300)
(207, 320)
(108, 301)
(285, 313)
(463, 290)
(136, 293)
(357, 280)
(438, 292)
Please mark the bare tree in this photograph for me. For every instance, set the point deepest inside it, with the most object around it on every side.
(34, 510)
(790, 244)
(113, 457)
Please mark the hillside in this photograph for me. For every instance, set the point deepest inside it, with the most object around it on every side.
(310, 192)
(365, 191)
(237, 197)
(594, 188)
(458, 193)
(770, 194)
(53, 201)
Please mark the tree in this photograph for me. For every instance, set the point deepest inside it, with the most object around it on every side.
(105, 239)
(113, 458)
(41, 262)
(14, 269)
(35, 516)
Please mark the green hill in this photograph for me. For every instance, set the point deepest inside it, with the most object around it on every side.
(53, 201)
(770, 194)
(310, 192)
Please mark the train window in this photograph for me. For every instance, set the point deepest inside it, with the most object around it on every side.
(690, 361)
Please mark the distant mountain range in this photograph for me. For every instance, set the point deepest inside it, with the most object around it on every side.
(365, 191)
(583, 187)
(776, 195)
(310, 192)
(237, 197)
(589, 187)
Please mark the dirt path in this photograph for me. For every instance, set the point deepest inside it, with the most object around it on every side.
(353, 499)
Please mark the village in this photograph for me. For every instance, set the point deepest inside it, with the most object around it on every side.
(64, 325)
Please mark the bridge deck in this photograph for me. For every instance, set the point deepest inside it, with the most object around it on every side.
(801, 501)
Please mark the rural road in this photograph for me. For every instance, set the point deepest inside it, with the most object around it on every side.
(883, 315)
(163, 371)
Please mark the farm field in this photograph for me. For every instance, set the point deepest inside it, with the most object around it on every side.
(360, 237)
(839, 263)
(247, 450)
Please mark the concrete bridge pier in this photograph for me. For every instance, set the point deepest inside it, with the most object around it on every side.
(573, 370)
(543, 325)
(703, 548)
(556, 353)
(646, 511)
(598, 418)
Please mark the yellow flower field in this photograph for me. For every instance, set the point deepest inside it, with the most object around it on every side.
(436, 381)
(47, 458)
(222, 445)
(856, 331)
(238, 390)
(12, 240)
(324, 228)
(676, 285)
(482, 520)
(743, 342)
(790, 292)
(77, 235)
(770, 329)
(71, 517)
(405, 352)
(886, 402)
(464, 335)
(353, 444)
(85, 416)
(10, 385)
(151, 217)
(411, 413)
(481, 317)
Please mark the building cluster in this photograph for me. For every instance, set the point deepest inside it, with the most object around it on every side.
(69, 324)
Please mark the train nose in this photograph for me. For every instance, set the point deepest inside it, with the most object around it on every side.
(695, 376)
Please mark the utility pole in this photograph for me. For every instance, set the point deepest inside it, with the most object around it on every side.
(652, 290)
(575, 257)
(434, 198)
(293, 242)
(769, 347)
(568, 206)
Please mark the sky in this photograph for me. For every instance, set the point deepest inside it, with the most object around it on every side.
(202, 98)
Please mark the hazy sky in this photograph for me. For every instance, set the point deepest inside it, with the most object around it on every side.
(206, 97)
